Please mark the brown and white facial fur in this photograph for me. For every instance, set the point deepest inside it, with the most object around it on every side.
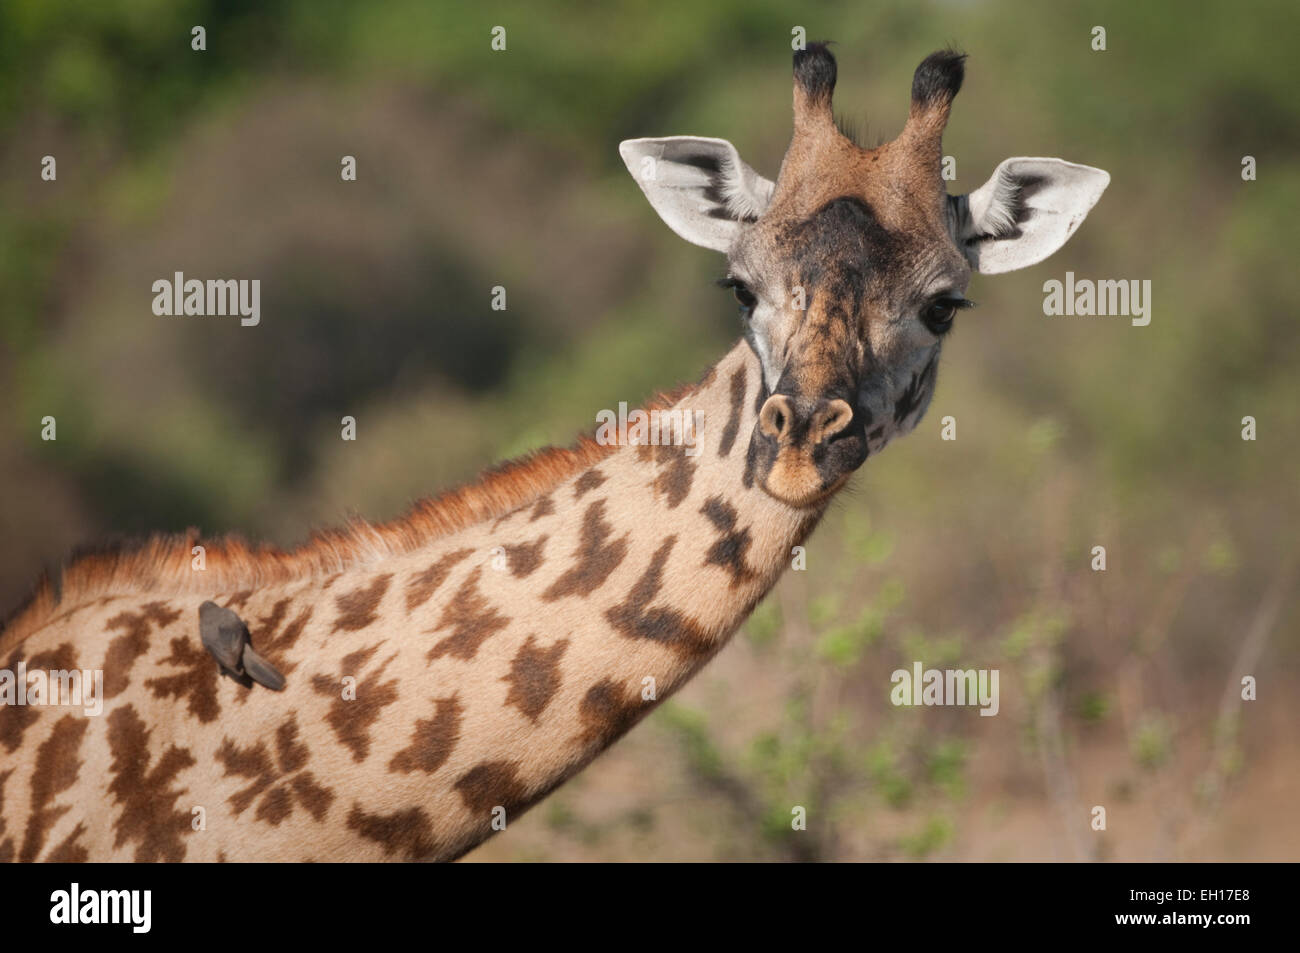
(850, 267)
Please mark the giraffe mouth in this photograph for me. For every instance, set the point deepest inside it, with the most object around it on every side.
(802, 450)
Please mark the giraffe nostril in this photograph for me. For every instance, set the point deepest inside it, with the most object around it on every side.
(776, 416)
(831, 418)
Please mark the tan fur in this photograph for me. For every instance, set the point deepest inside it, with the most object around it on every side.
(900, 180)
(537, 663)
(162, 563)
(447, 670)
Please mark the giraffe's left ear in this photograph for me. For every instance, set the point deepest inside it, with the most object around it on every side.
(700, 187)
(1026, 211)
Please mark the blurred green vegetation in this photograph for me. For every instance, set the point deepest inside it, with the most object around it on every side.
(480, 169)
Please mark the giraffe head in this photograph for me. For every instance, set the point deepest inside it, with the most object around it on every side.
(850, 268)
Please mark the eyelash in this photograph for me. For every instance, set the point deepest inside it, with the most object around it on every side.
(940, 325)
(748, 301)
(744, 297)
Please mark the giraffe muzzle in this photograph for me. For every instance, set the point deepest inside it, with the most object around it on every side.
(805, 448)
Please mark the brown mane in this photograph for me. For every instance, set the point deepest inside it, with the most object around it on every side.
(162, 561)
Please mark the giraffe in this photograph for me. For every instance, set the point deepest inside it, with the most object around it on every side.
(443, 672)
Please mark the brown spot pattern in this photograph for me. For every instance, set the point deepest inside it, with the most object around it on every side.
(70, 850)
(56, 768)
(16, 719)
(493, 784)
(351, 719)
(587, 482)
(272, 641)
(196, 682)
(543, 507)
(275, 782)
(634, 618)
(739, 382)
(608, 712)
(424, 584)
(133, 643)
(534, 677)
(732, 546)
(751, 465)
(676, 470)
(525, 557)
(357, 609)
(471, 618)
(432, 741)
(6, 843)
(147, 796)
(407, 833)
(506, 517)
(596, 556)
(239, 599)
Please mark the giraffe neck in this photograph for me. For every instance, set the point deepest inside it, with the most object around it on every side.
(636, 571)
(431, 694)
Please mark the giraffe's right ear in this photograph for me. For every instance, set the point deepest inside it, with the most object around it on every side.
(700, 187)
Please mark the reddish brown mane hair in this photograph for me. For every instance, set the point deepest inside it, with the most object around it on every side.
(162, 561)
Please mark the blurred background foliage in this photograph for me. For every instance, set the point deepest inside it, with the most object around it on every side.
(479, 168)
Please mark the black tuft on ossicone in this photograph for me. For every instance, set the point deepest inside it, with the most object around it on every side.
(938, 78)
(814, 71)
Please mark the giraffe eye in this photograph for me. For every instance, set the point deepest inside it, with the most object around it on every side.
(938, 315)
(744, 297)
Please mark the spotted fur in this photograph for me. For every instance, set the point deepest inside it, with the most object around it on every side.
(447, 670)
